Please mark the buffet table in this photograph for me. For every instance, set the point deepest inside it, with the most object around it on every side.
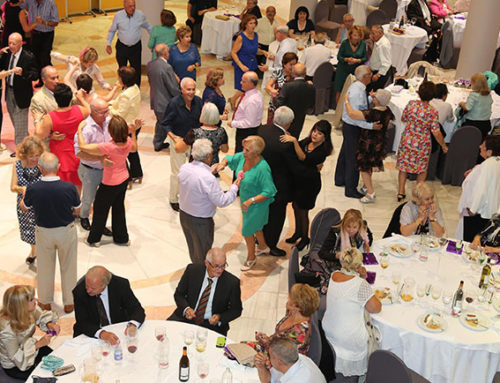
(143, 365)
(218, 34)
(454, 353)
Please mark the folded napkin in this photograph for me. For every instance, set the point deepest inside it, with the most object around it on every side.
(452, 248)
(369, 259)
(370, 277)
(51, 362)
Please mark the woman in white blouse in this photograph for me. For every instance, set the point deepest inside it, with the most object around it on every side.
(20, 352)
(344, 322)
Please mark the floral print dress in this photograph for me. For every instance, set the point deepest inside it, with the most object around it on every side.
(415, 145)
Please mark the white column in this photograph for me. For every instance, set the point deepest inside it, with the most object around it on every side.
(309, 4)
(152, 9)
(480, 38)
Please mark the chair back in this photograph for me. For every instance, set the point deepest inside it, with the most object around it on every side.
(320, 226)
(293, 267)
(377, 17)
(394, 225)
(322, 11)
(430, 69)
(495, 68)
(339, 108)
(337, 12)
(385, 367)
(390, 7)
(462, 154)
(322, 81)
(315, 344)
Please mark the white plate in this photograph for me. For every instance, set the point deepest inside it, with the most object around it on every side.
(423, 326)
(467, 251)
(399, 250)
(386, 300)
(484, 322)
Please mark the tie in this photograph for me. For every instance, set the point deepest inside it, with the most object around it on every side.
(11, 64)
(103, 318)
(237, 106)
(202, 305)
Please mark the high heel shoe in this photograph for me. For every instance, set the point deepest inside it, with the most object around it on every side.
(137, 179)
(401, 197)
(304, 241)
(293, 239)
(368, 198)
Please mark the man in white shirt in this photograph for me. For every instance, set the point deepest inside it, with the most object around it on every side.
(316, 55)
(381, 58)
(265, 28)
(444, 109)
(199, 196)
(286, 45)
(288, 366)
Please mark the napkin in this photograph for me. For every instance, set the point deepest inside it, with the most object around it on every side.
(370, 277)
(452, 248)
(369, 259)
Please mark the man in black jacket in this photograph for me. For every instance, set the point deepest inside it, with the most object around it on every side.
(102, 299)
(208, 295)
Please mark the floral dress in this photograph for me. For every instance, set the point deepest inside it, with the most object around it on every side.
(415, 145)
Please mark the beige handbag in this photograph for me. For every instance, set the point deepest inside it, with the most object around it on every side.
(243, 353)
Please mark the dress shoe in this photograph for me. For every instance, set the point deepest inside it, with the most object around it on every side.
(93, 244)
(277, 252)
(294, 238)
(123, 243)
(362, 190)
(354, 194)
(304, 241)
(164, 145)
(85, 223)
(12, 155)
(46, 307)
(107, 232)
(174, 206)
(69, 308)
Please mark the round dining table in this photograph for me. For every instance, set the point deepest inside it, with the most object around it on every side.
(218, 33)
(456, 354)
(459, 21)
(143, 365)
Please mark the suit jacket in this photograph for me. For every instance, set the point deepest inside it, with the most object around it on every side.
(227, 296)
(123, 306)
(414, 11)
(299, 96)
(163, 84)
(23, 84)
(282, 159)
(43, 101)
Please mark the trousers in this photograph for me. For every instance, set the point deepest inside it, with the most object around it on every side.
(91, 178)
(345, 171)
(130, 54)
(176, 161)
(199, 233)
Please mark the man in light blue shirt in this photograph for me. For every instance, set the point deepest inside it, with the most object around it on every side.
(346, 173)
(128, 23)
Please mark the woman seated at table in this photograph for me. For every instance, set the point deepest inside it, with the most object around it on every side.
(184, 56)
(441, 9)
(489, 238)
(301, 23)
(251, 9)
(302, 303)
(444, 109)
(20, 352)
(422, 215)
(213, 93)
(352, 53)
(164, 33)
(344, 323)
(371, 153)
(478, 104)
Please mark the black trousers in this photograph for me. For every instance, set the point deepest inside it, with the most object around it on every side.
(379, 84)
(241, 134)
(130, 54)
(109, 197)
(277, 214)
(345, 172)
(159, 136)
(41, 47)
(474, 225)
(483, 125)
(220, 329)
(16, 373)
(134, 161)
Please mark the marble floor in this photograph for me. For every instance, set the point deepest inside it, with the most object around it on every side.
(158, 254)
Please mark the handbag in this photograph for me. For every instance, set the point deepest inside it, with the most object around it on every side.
(242, 352)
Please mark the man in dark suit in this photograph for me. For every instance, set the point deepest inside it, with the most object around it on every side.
(299, 96)
(207, 295)
(419, 10)
(102, 299)
(164, 85)
(283, 161)
(19, 87)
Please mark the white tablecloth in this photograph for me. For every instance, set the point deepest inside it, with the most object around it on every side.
(145, 366)
(357, 8)
(218, 34)
(456, 95)
(402, 45)
(458, 24)
(455, 355)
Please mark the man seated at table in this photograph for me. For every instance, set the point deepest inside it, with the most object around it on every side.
(208, 295)
(195, 11)
(380, 60)
(287, 44)
(316, 55)
(344, 27)
(420, 11)
(287, 365)
(101, 299)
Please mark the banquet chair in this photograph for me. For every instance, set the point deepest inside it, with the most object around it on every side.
(315, 344)
(4, 378)
(322, 82)
(293, 267)
(322, 22)
(386, 367)
(417, 54)
(340, 106)
(337, 11)
(462, 154)
(429, 69)
(394, 225)
(320, 226)
(377, 17)
(448, 57)
(390, 7)
(495, 68)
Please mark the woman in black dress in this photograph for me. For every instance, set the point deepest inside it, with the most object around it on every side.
(312, 151)
(371, 151)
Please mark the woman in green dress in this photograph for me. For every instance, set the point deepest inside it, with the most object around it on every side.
(256, 194)
(164, 33)
(352, 53)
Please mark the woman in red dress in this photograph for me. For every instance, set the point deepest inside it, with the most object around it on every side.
(62, 125)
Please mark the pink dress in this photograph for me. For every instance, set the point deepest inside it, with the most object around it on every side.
(117, 173)
(415, 145)
(67, 123)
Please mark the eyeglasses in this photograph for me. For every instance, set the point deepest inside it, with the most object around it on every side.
(220, 267)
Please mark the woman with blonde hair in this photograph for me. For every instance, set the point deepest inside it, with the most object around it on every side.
(422, 214)
(344, 323)
(25, 172)
(478, 105)
(256, 194)
(20, 352)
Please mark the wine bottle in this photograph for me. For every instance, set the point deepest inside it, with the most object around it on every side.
(184, 366)
(456, 306)
(402, 22)
(485, 274)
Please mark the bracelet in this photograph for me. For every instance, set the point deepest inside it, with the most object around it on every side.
(253, 200)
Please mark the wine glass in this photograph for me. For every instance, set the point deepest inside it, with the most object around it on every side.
(188, 337)
(384, 260)
(396, 277)
(201, 339)
(160, 333)
(447, 297)
(203, 369)
(132, 340)
(436, 292)
(420, 290)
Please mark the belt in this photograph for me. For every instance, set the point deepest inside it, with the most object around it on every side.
(90, 167)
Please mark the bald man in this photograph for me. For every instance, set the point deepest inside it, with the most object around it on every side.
(299, 95)
(208, 295)
(18, 86)
(102, 298)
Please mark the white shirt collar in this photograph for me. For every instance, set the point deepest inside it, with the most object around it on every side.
(50, 178)
(279, 126)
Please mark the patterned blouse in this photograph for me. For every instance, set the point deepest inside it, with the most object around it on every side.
(279, 77)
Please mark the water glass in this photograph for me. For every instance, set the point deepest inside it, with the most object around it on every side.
(396, 277)
(436, 292)
(203, 369)
(384, 260)
(188, 337)
(420, 290)
(160, 333)
(407, 290)
(201, 340)
(96, 352)
(88, 371)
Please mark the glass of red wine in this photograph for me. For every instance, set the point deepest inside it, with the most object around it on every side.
(132, 340)
(160, 333)
(203, 368)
